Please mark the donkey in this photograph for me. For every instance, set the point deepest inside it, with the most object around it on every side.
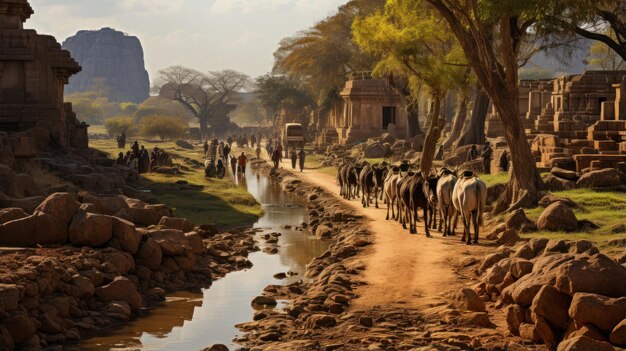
(445, 187)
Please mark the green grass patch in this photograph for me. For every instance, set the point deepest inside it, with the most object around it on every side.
(218, 201)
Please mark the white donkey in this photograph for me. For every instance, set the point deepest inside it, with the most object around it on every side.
(470, 198)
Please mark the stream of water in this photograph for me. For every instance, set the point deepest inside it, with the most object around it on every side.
(193, 321)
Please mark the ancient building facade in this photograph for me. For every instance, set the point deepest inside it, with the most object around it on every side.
(33, 73)
(574, 122)
(369, 108)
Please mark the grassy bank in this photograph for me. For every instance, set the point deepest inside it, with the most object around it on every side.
(217, 201)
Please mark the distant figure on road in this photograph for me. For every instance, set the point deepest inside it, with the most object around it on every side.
(243, 160)
(233, 165)
(121, 140)
(226, 151)
(269, 149)
(301, 156)
(279, 148)
(276, 158)
(135, 148)
(472, 154)
(487, 156)
(220, 150)
(221, 170)
(205, 146)
(258, 151)
(294, 158)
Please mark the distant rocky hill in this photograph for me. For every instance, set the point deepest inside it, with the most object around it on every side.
(111, 58)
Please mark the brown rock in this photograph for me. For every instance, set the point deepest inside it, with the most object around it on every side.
(11, 214)
(578, 329)
(323, 232)
(557, 217)
(317, 321)
(60, 205)
(583, 343)
(176, 223)
(551, 305)
(525, 251)
(608, 177)
(519, 222)
(552, 183)
(529, 332)
(618, 335)
(520, 267)
(263, 301)
(550, 199)
(122, 261)
(564, 173)
(149, 254)
(514, 317)
(600, 311)
(125, 235)
(20, 326)
(508, 237)
(491, 260)
(85, 287)
(120, 289)
(546, 333)
(195, 240)
(89, 229)
(597, 274)
(9, 297)
(469, 300)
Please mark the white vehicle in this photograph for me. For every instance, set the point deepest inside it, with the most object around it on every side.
(293, 136)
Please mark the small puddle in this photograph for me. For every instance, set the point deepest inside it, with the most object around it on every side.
(193, 321)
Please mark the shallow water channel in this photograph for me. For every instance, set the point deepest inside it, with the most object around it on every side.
(192, 321)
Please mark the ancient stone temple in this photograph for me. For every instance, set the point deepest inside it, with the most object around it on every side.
(33, 72)
(370, 109)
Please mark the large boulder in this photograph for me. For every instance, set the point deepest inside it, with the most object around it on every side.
(172, 242)
(125, 236)
(149, 254)
(618, 335)
(20, 326)
(583, 343)
(176, 223)
(108, 205)
(468, 299)
(120, 289)
(595, 274)
(9, 297)
(519, 222)
(60, 205)
(549, 199)
(375, 150)
(552, 306)
(564, 173)
(557, 217)
(608, 177)
(90, 229)
(603, 312)
(11, 214)
(37, 229)
(553, 183)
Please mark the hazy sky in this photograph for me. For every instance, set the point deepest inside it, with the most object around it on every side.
(203, 34)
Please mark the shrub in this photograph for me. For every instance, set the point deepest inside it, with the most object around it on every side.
(164, 127)
(116, 125)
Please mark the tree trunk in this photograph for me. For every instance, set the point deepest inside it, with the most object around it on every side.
(458, 120)
(436, 125)
(474, 133)
(203, 127)
(412, 118)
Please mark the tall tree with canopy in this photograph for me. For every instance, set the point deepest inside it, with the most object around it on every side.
(207, 96)
(324, 54)
(275, 91)
(491, 34)
(410, 39)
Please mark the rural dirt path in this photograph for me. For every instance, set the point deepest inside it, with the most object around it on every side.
(403, 270)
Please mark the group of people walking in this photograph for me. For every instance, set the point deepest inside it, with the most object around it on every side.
(218, 155)
(139, 159)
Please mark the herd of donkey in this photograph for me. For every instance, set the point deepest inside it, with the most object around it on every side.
(405, 191)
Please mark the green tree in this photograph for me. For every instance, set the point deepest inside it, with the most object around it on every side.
(492, 34)
(409, 38)
(603, 57)
(117, 125)
(276, 91)
(164, 127)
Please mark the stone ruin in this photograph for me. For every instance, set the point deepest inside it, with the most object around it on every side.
(369, 109)
(575, 122)
(33, 72)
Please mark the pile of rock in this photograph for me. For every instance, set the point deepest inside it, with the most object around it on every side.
(558, 292)
(561, 179)
(110, 257)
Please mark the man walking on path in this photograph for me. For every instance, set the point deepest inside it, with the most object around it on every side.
(486, 155)
(276, 158)
(243, 160)
(301, 156)
(205, 146)
(294, 158)
(472, 154)
(233, 165)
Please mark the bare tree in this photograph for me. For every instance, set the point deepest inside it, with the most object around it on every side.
(209, 97)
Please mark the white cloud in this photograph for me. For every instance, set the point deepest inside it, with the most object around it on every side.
(251, 6)
(153, 6)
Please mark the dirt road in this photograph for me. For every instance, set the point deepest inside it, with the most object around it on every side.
(402, 269)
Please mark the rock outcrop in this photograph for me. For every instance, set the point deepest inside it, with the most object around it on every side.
(111, 58)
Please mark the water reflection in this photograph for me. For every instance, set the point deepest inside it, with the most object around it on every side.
(193, 321)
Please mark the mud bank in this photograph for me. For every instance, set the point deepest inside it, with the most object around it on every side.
(321, 315)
